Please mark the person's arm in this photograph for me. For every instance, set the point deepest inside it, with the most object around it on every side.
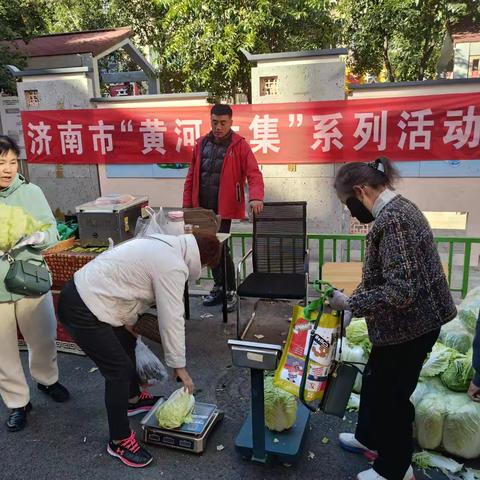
(169, 290)
(254, 176)
(188, 186)
(398, 266)
(474, 390)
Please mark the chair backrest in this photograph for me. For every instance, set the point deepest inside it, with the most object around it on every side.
(280, 238)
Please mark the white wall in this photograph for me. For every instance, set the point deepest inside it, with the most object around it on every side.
(460, 60)
(65, 186)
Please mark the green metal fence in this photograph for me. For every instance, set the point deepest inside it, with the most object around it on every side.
(347, 248)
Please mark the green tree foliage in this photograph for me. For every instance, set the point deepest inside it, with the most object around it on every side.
(197, 42)
(201, 40)
(405, 36)
(18, 19)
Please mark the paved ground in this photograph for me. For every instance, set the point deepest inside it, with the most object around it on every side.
(68, 441)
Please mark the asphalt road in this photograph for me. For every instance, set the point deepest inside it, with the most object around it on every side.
(68, 441)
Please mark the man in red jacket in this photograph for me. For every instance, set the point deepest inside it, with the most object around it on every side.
(222, 161)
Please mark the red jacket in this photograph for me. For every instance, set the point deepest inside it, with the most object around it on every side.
(239, 165)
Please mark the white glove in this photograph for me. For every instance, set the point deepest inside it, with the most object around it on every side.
(36, 238)
(338, 301)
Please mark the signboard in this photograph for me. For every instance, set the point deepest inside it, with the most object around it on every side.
(436, 127)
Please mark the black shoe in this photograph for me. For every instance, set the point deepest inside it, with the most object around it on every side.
(57, 391)
(129, 452)
(215, 297)
(232, 301)
(145, 403)
(18, 418)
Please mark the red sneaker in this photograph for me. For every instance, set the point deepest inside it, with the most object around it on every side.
(129, 452)
(145, 403)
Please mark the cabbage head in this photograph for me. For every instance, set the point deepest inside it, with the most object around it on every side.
(280, 407)
(177, 410)
(456, 336)
(438, 360)
(461, 432)
(357, 334)
(459, 373)
(429, 417)
(15, 224)
(469, 308)
(355, 354)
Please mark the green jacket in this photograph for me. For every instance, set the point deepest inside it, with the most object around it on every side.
(31, 198)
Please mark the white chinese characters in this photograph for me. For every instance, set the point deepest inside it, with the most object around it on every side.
(188, 131)
(326, 132)
(463, 128)
(40, 138)
(265, 134)
(371, 127)
(153, 135)
(416, 132)
(71, 138)
(102, 140)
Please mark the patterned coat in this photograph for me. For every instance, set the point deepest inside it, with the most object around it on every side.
(404, 292)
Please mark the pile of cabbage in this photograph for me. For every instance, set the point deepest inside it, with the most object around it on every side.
(446, 418)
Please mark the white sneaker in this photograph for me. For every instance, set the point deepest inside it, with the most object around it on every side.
(351, 444)
(373, 475)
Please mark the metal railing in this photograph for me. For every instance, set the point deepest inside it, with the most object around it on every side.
(347, 248)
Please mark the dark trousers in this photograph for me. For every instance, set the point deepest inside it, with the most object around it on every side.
(112, 349)
(217, 272)
(386, 414)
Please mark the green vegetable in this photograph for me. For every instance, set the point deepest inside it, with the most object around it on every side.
(458, 374)
(461, 435)
(357, 334)
(438, 360)
(15, 224)
(426, 460)
(455, 335)
(280, 407)
(356, 354)
(469, 308)
(353, 404)
(177, 410)
(429, 417)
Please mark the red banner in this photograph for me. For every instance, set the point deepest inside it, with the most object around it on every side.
(436, 127)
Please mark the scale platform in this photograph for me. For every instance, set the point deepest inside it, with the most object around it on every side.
(190, 437)
(255, 440)
(284, 446)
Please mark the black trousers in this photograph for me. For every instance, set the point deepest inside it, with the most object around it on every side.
(112, 349)
(386, 414)
(217, 272)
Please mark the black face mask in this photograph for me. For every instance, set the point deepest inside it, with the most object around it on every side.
(359, 210)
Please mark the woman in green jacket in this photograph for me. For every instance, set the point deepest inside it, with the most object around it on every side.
(34, 316)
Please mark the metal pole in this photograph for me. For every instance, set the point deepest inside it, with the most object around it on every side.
(258, 417)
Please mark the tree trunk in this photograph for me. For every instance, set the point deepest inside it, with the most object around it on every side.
(391, 76)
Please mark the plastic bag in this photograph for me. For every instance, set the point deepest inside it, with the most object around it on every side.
(149, 367)
(155, 223)
(288, 375)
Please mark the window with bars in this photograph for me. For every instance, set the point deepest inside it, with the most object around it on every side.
(268, 86)
(31, 98)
